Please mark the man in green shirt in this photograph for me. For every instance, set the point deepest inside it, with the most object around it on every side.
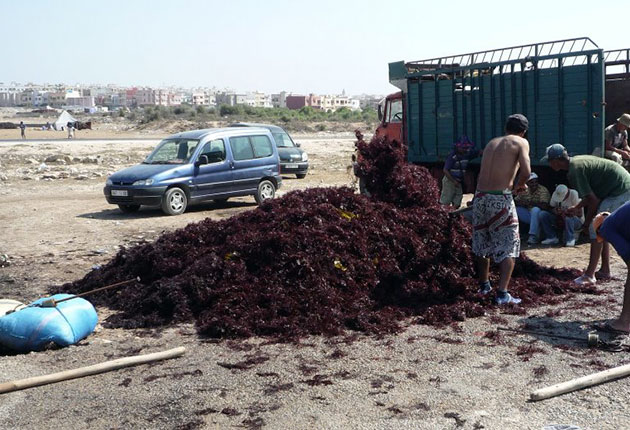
(603, 186)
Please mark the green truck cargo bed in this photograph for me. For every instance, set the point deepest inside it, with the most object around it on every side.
(558, 85)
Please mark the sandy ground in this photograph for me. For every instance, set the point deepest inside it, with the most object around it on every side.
(55, 225)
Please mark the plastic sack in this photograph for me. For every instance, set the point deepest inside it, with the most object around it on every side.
(33, 327)
(8, 306)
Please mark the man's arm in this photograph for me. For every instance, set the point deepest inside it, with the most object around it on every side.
(523, 162)
(591, 203)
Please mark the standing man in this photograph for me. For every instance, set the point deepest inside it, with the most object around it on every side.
(603, 185)
(614, 228)
(23, 129)
(455, 171)
(495, 223)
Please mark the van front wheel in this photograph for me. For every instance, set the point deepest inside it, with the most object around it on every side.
(174, 201)
(266, 190)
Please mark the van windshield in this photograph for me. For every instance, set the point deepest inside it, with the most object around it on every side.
(172, 151)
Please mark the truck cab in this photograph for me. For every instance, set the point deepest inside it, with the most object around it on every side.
(391, 118)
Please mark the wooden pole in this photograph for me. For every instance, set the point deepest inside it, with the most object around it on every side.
(106, 366)
(583, 382)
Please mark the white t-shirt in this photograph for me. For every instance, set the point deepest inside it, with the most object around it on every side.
(572, 198)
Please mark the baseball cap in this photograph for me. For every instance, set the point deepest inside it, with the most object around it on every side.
(553, 152)
(597, 223)
(518, 122)
(532, 176)
(464, 142)
(559, 194)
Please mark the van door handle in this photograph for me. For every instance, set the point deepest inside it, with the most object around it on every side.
(231, 164)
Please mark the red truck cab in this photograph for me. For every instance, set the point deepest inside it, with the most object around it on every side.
(391, 118)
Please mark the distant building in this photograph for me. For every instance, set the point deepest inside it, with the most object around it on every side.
(144, 97)
(82, 102)
(296, 101)
(279, 100)
(326, 102)
(225, 98)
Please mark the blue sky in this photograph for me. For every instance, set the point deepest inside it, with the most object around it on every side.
(319, 46)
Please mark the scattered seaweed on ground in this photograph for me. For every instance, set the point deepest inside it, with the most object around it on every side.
(191, 425)
(245, 364)
(318, 380)
(598, 364)
(526, 352)
(276, 388)
(337, 353)
(319, 261)
(254, 423)
(446, 339)
(206, 411)
(266, 374)
(540, 371)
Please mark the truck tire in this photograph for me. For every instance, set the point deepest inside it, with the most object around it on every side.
(266, 190)
(174, 201)
(128, 209)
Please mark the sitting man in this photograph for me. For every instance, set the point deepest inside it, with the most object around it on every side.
(616, 141)
(455, 170)
(614, 229)
(529, 204)
(603, 186)
(562, 199)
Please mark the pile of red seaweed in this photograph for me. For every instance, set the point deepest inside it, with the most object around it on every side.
(318, 261)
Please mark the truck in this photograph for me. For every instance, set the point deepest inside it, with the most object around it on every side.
(568, 89)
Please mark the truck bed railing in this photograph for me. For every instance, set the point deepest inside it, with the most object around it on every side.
(570, 52)
(617, 64)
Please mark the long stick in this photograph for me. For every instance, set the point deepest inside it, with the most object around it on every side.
(99, 289)
(579, 383)
(106, 366)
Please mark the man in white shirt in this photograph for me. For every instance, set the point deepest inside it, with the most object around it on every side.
(562, 199)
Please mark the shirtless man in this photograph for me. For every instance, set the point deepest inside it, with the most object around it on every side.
(495, 223)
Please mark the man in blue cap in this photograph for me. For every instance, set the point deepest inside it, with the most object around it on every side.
(603, 186)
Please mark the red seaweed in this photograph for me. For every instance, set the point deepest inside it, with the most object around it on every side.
(317, 261)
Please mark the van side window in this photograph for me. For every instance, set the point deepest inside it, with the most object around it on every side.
(262, 146)
(210, 150)
(241, 148)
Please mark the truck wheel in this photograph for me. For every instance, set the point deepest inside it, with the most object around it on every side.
(266, 190)
(174, 201)
(128, 209)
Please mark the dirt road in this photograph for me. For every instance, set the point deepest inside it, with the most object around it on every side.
(55, 225)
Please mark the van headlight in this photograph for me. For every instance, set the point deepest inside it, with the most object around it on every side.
(304, 156)
(109, 182)
(143, 182)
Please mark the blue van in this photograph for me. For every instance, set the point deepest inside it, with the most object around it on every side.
(200, 165)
